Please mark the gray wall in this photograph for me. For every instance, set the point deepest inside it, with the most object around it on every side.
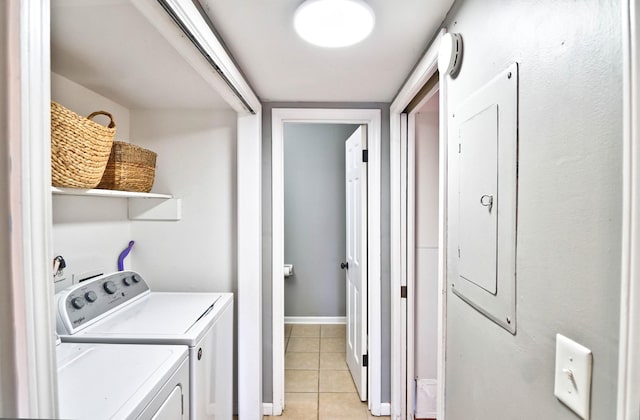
(315, 218)
(569, 205)
(267, 353)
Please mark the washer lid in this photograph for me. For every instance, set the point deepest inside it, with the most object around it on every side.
(159, 317)
(97, 381)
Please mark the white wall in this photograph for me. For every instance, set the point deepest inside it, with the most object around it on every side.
(196, 162)
(569, 206)
(426, 259)
(84, 101)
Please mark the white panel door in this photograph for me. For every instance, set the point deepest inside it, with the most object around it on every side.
(356, 272)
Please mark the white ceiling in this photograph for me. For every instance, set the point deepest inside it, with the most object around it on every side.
(282, 67)
(110, 47)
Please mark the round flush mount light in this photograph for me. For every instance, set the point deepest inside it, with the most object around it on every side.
(333, 23)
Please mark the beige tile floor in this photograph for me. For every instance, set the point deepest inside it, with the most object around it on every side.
(318, 385)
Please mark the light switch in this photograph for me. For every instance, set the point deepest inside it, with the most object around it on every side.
(573, 375)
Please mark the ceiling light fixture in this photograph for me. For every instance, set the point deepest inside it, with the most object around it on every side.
(334, 23)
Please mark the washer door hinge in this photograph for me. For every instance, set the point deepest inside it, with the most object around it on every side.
(365, 360)
(365, 155)
(403, 292)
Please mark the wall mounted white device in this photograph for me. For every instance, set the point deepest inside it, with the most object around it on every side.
(450, 54)
(574, 364)
(484, 168)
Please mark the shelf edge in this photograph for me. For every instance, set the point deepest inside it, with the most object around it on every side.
(106, 193)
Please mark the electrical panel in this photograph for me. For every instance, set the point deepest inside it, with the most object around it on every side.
(484, 168)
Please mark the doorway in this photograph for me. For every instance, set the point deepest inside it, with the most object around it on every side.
(371, 118)
(314, 222)
(423, 190)
(321, 203)
(413, 252)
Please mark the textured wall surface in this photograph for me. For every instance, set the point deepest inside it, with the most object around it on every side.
(569, 206)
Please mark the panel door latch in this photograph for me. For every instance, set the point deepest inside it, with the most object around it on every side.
(487, 201)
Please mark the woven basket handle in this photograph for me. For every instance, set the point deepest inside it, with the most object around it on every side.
(112, 122)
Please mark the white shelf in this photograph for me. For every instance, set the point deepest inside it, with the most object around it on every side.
(141, 206)
(106, 193)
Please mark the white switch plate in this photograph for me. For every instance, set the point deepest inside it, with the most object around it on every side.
(573, 375)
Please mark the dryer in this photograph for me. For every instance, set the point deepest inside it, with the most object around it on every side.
(122, 381)
(121, 308)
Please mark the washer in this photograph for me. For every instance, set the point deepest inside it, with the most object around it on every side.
(122, 381)
(121, 308)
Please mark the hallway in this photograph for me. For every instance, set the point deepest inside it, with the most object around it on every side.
(318, 384)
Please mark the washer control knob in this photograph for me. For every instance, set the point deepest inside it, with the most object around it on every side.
(126, 281)
(135, 279)
(78, 302)
(109, 287)
(91, 296)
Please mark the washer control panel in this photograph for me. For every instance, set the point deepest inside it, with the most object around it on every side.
(82, 303)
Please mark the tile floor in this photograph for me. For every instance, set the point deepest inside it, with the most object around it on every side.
(318, 385)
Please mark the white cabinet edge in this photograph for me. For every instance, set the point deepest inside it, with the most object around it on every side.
(155, 209)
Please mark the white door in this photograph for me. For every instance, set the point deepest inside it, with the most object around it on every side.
(356, 264)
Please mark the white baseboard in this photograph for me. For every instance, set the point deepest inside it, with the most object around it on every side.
(385, 409)
(426, 396)
(315, 319)
(426, 415)
(268, 409)
(382, 409)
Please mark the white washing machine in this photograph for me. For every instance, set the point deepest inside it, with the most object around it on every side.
(122, 381)
(120, 308)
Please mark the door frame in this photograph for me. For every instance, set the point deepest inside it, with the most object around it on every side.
(409, 321)
(629, 366)
(29, 294)
(402, 312)
(372, 119)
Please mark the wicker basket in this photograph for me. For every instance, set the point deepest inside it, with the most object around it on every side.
(130, 168)
(80, 147)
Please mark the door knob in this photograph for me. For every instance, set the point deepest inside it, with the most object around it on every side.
(344, 265)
